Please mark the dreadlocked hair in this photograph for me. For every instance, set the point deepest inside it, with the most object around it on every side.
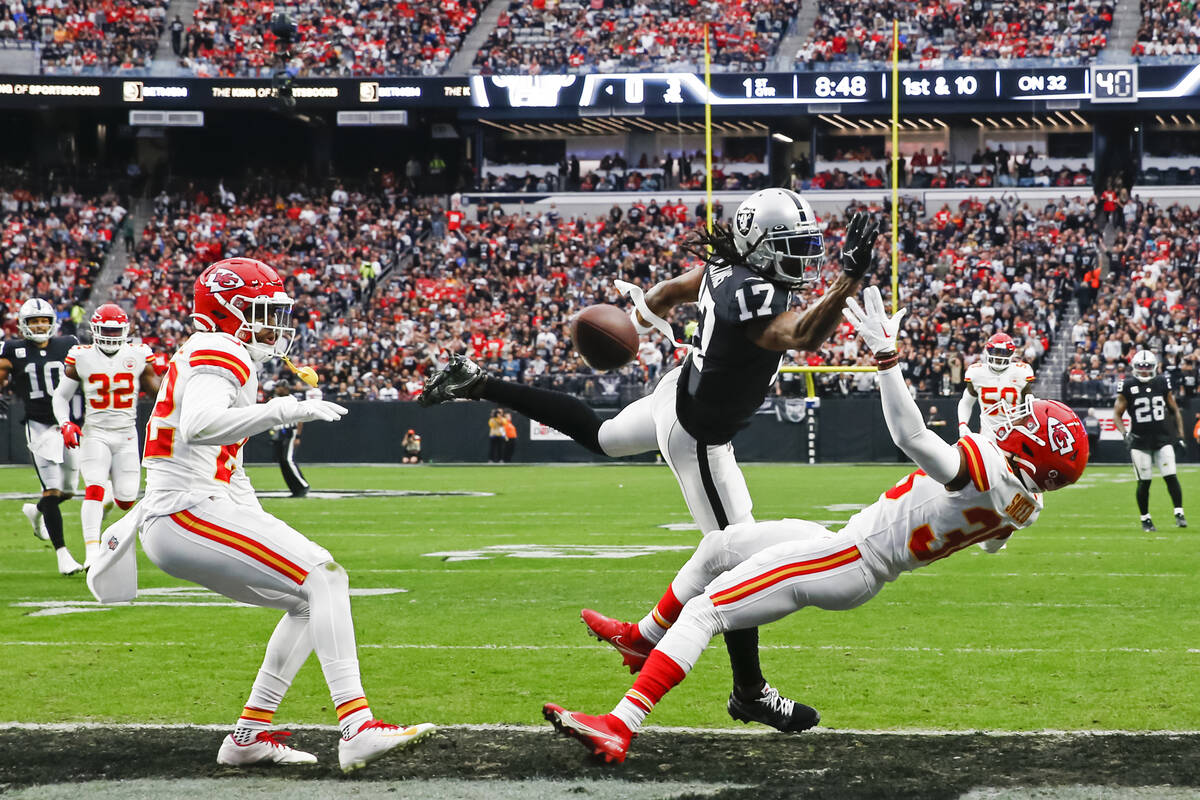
(716, 246)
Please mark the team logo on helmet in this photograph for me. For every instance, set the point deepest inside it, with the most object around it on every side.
(744, 221)
(1062, 441)
(222, 280)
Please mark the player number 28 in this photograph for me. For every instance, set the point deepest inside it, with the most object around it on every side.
(1147, 409)
(114, 392)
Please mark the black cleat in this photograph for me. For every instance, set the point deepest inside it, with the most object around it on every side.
(775, 710)
(462, 379)
(1180, 520)
(1148, 526)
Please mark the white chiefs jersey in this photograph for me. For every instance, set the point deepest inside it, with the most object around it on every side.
(109, 383)
(998, 389)
(173, 465)
(918, 520)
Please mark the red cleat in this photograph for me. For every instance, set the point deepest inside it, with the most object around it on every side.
(620, 635)
(604, 736)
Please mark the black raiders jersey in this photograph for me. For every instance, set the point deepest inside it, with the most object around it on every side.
(726, 376)
(1147, 406)
(36, 371)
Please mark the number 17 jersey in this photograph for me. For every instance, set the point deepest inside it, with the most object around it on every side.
(109, 383)
(919, 521)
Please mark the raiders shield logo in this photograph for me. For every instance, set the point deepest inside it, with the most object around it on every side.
(744, 220)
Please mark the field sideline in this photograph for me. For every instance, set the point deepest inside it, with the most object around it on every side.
(466, 611)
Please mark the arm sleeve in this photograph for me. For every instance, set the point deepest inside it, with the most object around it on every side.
(940, 461)
(965, 404)
(61, 402)
(208, 416)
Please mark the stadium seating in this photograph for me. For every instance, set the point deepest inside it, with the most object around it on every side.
(537, 37)
(91, 36)
(1167, 29)
(949, 34)
(53, 245)
(330, 38)
(1149, 299)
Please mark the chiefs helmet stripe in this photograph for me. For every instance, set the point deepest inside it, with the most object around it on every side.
(216, 358)
(756, 584)
(975, 467)
(243, 544)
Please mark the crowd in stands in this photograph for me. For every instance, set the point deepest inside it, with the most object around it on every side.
(389, 284)
(87, 36)
(1168, 28)
(1149, 298)
(330, 38)
(934, 33)
(535, 37)
(52, 245)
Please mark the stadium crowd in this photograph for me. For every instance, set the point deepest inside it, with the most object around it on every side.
(88, 36)
(52, 245)
(535, 37)
(330, 38)
(1168, 28)
(933, 33)
(388, 283)
(1148, 299)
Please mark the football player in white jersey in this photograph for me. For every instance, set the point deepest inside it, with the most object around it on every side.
(110, 371)
(201, 521)
(977, 491)
(999, 381)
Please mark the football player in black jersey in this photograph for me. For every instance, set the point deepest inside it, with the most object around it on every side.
(1148, 399)
(34, 363)
(744, 290)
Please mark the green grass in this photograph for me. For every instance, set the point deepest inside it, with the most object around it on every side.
(1083, 622)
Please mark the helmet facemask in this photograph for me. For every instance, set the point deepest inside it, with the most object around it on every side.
(264, 323)
(109, 337)
(789, 257)
(42, 333)
(998, 358)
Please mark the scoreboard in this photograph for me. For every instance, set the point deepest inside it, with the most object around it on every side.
(1172, 87)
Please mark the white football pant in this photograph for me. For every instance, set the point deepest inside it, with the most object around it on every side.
(1144, 462)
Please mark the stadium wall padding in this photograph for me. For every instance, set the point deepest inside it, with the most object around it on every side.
(849, 430)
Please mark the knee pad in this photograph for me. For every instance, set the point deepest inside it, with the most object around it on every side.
(94, 492)
(330, 575)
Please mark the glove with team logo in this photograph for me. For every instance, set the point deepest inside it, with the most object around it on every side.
(858, 248)
(877, 330)
(70, 434)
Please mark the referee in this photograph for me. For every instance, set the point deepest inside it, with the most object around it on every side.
(285, 438)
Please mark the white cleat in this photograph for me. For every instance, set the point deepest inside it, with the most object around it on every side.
(67, 564)
(35, 519)
(376, 739)
(267, 748)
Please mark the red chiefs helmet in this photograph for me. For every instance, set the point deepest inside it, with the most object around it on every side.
(1047, 442)
(245, 299)
(999, 352)
(110, 328)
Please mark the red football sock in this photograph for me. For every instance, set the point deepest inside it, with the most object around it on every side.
(659, 675)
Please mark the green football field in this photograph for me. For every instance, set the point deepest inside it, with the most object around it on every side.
(467, 609)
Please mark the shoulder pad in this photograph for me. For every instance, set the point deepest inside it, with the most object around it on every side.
(220, 355)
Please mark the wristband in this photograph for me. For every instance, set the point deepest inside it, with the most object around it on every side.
(886, 360)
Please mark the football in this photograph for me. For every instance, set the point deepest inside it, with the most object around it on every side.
(604, 336)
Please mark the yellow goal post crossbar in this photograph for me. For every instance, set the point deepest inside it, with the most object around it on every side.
(808, 373)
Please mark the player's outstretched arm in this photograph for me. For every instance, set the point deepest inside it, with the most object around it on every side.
(965, 404)
(208, 415)
(941, 461)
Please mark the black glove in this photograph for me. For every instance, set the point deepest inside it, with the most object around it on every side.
(859, 245)
(1129, 440)
(1182, 444)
